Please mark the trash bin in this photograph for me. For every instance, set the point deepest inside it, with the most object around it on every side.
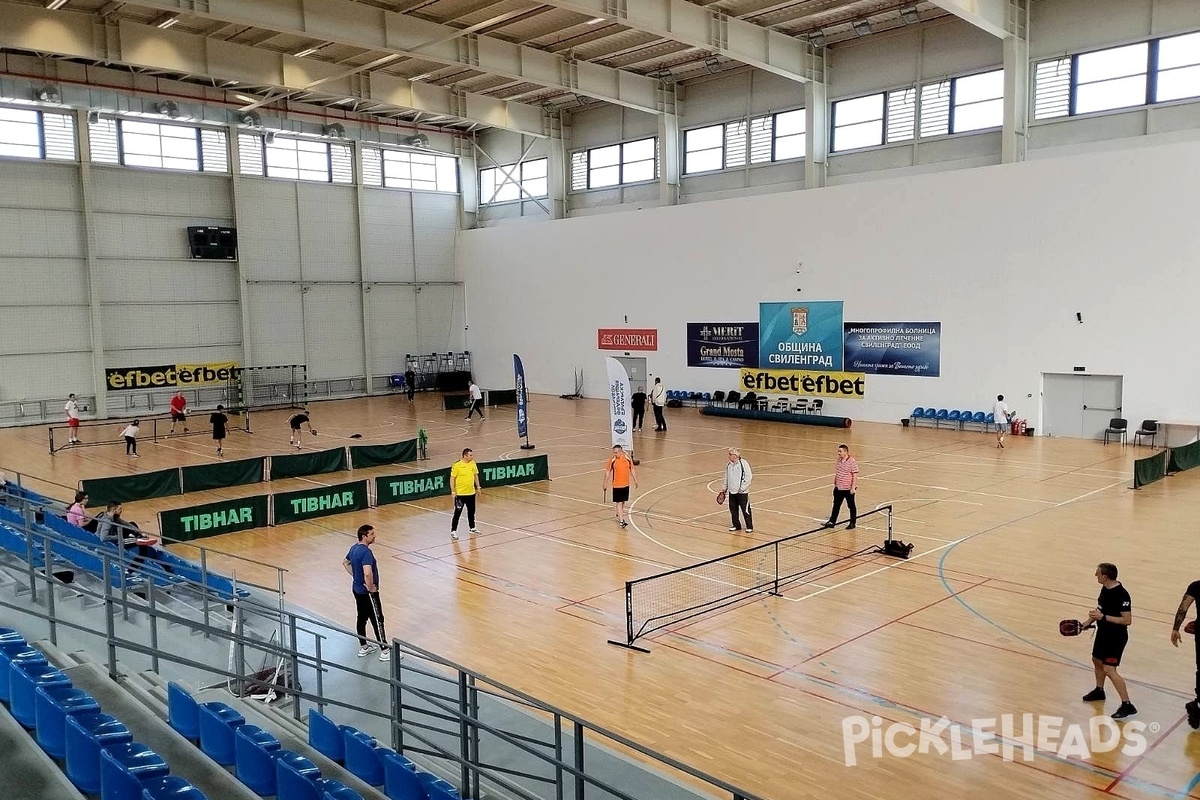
(905, 422)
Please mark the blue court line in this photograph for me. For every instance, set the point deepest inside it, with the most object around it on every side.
(1187, 790)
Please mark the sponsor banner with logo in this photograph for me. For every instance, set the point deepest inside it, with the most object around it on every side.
(513, 471)
(519, 377)
(169, 376)
(213, 519)
(627, 338)
(800, 335)
(841, 385)
(320, 502)
(620, 410)
(894, 348)
(727, 345)
(411, 486)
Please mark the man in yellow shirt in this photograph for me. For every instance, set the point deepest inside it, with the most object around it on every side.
(464, 486)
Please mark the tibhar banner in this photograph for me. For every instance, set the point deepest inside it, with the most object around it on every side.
(213, 519)
(800, 335)
(728, 345)
(169, 375)
(894, 348)
(619, 407)
(320, 502)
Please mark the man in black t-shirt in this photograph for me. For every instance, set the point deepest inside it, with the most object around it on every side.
(295, 422)
(218, 420)
(1190, 596)
(410, 383)
(639, 408)
(1113, 615)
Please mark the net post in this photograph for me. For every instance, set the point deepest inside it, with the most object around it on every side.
(889, 522)
(50, 430)
(775, 588)
(629, 635)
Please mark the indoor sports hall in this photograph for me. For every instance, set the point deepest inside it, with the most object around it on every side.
(294, 287)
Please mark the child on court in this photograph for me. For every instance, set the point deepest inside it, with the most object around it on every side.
(618, 473)
(130, 435)
(218, 420)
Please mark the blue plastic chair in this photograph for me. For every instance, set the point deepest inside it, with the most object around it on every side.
(436, 788)
(930, 412)
(52, 705)
(954, 416)
(990, 419)
(172, 787)
(23, 679)
(86, 736)
(257, 751)
(400, 777)
(15, 651)
(336, 790)
(217, 723)
(183, 712)
(11, 635)
(917, 413)
(362, 757)
(296, 777)
(979, 418)
(325, 736)
(123, 767)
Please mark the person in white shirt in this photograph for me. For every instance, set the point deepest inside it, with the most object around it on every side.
(476, 401)
(658, 398)
(737, 487)
(1002, 416)
(72, 409)
(130, 434)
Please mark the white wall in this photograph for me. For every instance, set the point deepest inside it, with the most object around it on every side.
(1003, 257)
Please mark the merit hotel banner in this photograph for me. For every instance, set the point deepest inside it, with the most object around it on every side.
(804, 336)
(722, 344)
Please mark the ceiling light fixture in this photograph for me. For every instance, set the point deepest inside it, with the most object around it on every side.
(817, 39)
(595, 21)
(910, 15)
(244, 98)
(308, 51)
(862, 27)
(713, 64)
(168, 22)
(421, 77)
(55, 5)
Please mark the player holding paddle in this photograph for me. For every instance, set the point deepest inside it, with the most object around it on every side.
(1112, 617)
(1190, 596)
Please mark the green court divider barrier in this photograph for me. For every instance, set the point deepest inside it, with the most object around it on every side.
(502, 397)
(1186, 457)
(213, 519)
(128, 488)
(1150, 469)
(227, 473)
(300, 464)
(321, 501)
(378, 455)
(518, 470)
(413, 486)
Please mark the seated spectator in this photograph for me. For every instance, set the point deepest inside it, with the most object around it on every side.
(77, 514)
(111, 528)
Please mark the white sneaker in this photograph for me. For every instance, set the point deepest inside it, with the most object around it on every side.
(731, 530)
(385, 655)
(474, 531)
(366, 650)
(454, 535)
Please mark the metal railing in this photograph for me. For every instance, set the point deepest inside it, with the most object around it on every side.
(495, 740)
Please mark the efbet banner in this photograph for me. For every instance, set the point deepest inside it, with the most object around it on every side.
(727, 345)
(840, 385)
(519, 376)
(800, 335)
(213, 519)
(894, 348)
(620, 409)
(168, 376)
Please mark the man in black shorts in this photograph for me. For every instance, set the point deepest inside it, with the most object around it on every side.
(296, 421)
(1190, 596)
(218, 420)
(1113, 615)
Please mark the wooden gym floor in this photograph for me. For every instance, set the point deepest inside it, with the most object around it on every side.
(1006, 545)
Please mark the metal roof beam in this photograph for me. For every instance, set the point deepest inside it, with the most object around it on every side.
(989, 15)
(78, 36)
(359, 25)
(709, 29)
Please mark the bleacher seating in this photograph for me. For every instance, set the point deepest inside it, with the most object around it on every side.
(951, 418)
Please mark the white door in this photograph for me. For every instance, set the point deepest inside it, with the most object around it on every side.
(636, 367)
(1079, 406)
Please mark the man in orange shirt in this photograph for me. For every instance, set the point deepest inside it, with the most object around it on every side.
(618, 473)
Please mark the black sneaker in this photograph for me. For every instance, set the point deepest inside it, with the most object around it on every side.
(1095, 695)
(1193, 713)
(851, 526)
(827, 525)
(1125, 711)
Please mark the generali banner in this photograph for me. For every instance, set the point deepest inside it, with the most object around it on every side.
(627, 338)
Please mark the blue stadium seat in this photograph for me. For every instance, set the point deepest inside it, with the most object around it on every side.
(87, 735)
(325, 736)
(52, 705)
(436, 788)
(336, 790)
(930, 412)
(917, 413)
(123, 767)
(955, 416)
(990, 419)
(15, 651)
(10, 635)
(23, 679)
(296, 777)
(362, 757)
(172, 787)
(217, 723)
(257, 751)
(400, 777)
(183, 712)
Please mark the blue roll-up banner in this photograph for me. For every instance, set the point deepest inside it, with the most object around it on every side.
(519, 375)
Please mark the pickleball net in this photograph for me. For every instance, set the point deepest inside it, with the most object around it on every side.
(99, 433)
(668, 598)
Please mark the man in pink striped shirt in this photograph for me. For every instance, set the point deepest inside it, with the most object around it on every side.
(845, 483)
